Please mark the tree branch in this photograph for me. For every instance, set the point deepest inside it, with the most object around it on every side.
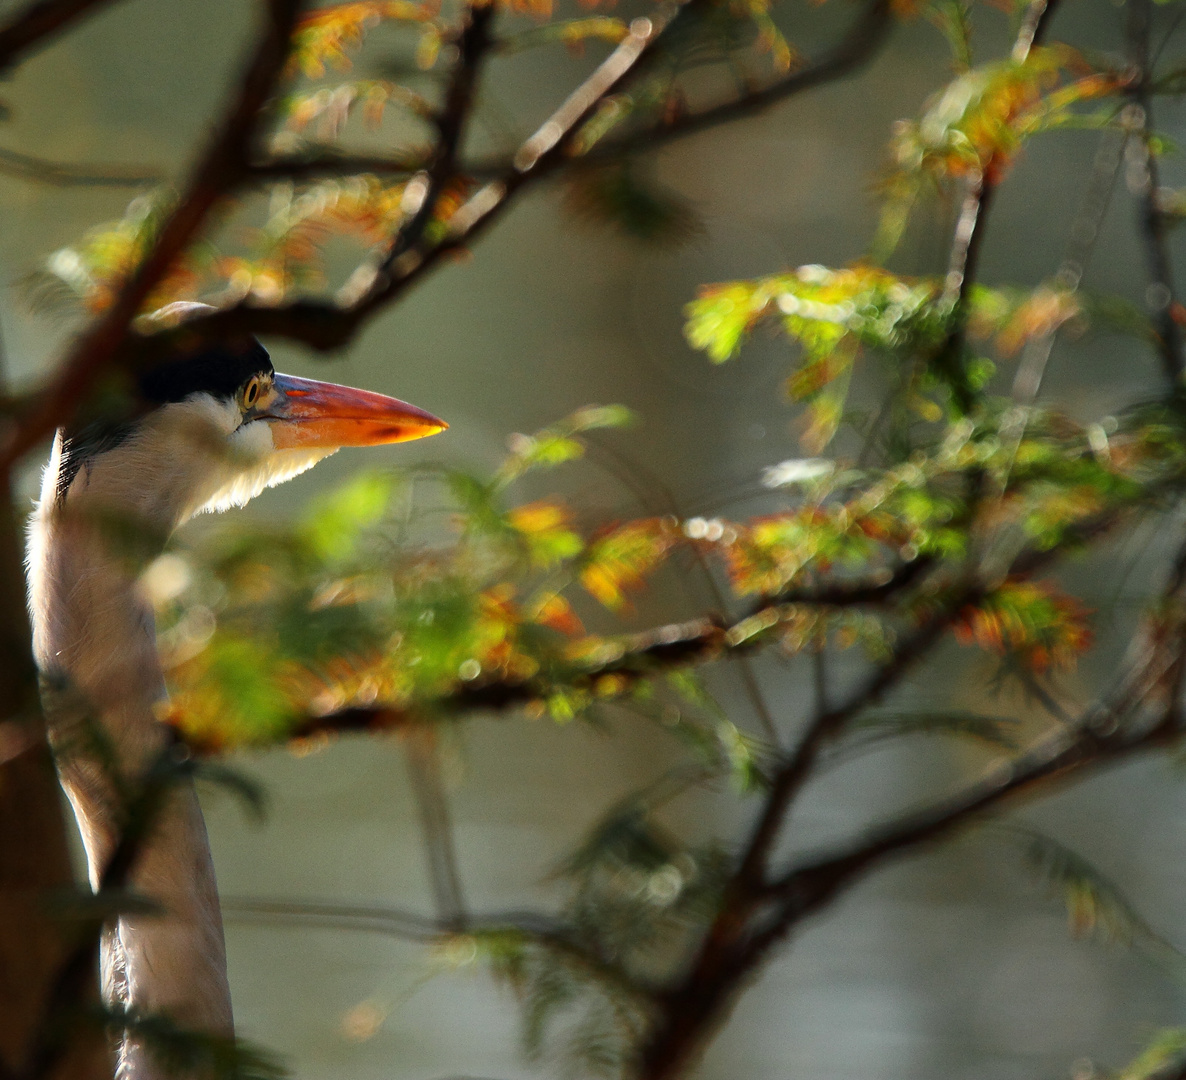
(623, 661)
(422, 754)
(37, 22)
(327, 164)
(326, 325)
(639, 657)
(756, 915)
(545, 931)
(222, 166)
(865, 37)
(424, 193)
(968, 238)
(63, 175)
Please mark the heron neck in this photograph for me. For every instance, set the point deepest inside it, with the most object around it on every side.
(95, 643)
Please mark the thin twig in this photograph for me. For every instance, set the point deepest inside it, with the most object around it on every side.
(544, 930)
(63, 175)
(422, 753)
(1145, 183)
(970, 229)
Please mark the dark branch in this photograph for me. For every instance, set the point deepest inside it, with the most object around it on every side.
(330, 164)
(38, 22)
(543, 930)
(327, 325)
(643, 656)
(623, 661)
(473, 44)
(1109, 731)
(828, 724)
(220, 169)
(59, 174)
(757, 915)
(868, 33)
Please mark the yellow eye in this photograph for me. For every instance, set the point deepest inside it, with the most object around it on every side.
(252, 391)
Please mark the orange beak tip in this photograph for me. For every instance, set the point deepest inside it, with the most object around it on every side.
(325, 414)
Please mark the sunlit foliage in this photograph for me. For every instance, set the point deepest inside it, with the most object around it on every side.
(422, 596)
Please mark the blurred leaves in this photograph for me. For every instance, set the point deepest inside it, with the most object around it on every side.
(400, 590)
(1164, 1056)
(1095, 904)
(328, 109)
(1029, 620)
(977, 125)
(636, 895)
(93, 271)
(620, 561)
(619, 194)
(326, 36)
(183, 1052)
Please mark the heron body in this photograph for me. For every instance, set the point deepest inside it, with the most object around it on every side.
(214, 428)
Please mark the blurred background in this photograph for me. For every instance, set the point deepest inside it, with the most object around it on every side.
(950, 965)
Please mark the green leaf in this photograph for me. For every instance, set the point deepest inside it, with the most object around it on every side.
(1164, 1056)
(335, 522)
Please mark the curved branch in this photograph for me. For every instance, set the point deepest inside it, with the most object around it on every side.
(221, 167)
(38, 21)
(624, 661)
(61, 174)
(547, 932)
(865, 37)
(327, 325)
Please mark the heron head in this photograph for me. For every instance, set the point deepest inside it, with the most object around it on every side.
(218, 424)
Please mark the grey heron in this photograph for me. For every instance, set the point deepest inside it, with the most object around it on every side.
(213, 427)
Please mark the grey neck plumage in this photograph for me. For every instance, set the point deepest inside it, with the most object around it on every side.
(95, 643)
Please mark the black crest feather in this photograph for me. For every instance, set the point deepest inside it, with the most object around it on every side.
(219, 371)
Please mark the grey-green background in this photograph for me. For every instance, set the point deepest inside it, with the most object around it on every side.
(949, 965)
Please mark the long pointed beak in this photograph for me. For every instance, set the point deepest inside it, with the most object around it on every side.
(305, 412)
